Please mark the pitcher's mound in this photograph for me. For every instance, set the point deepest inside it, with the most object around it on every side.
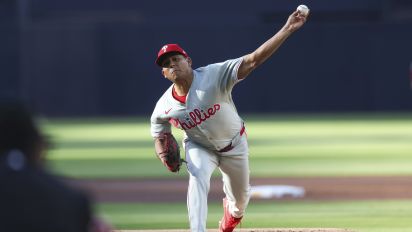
(255, 230)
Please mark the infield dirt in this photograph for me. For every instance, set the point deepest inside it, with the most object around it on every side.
(317, 188)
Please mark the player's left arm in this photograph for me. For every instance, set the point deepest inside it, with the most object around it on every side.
(253, 60)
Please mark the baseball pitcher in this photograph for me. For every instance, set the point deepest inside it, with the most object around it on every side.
(199, 102)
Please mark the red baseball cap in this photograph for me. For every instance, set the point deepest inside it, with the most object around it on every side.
(168, 48)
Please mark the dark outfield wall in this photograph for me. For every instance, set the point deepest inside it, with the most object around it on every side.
(72, 59)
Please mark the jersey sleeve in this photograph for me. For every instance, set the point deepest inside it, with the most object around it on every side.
(158, 122)
(227, 73)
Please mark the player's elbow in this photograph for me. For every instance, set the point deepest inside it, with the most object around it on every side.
(253, 61)
(253, 65)
(248, 65)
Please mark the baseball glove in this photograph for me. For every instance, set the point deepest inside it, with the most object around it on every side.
(167, 150)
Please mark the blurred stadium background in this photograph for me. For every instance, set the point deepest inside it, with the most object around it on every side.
(96, 58)
(335, 101)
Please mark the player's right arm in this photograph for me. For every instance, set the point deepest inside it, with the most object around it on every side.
(261, 54)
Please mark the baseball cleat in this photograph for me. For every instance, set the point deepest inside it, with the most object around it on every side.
(228, 222)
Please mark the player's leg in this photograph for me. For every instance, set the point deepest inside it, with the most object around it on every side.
(234, 166)
(201, 164)
(235, 175)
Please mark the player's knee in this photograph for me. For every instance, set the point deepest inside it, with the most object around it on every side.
(200, 181)
(198, 172)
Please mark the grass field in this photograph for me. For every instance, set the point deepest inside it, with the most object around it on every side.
(279, 146)
(365, 216)
(287, 145)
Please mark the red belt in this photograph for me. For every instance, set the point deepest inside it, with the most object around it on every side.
(230, 147)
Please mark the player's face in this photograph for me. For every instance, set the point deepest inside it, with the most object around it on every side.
(176, 66)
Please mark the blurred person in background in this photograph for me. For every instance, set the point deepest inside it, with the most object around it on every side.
(31, 199)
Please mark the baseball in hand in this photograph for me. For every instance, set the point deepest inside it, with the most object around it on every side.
(303, 9)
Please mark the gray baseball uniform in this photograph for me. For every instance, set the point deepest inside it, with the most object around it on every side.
(214, 137)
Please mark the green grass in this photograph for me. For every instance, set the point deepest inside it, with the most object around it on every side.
(365, 216)
(290, 145)
(286, 145)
